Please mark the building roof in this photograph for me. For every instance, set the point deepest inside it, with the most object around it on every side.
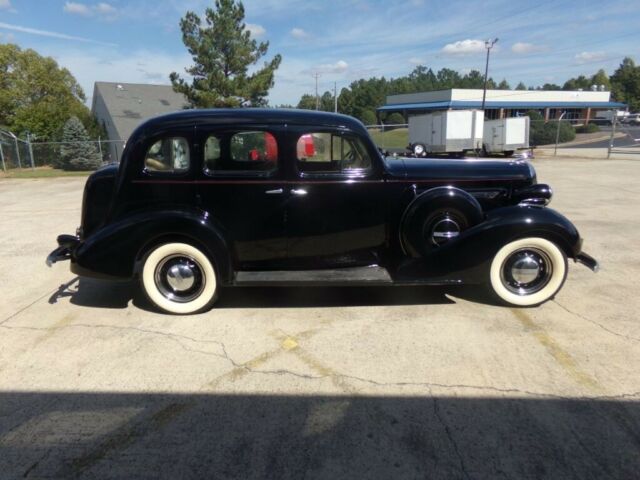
(461, 98)
(495, 105)
(129, 104)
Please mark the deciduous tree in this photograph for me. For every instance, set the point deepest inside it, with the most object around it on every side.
(37, 95)
(625, 84)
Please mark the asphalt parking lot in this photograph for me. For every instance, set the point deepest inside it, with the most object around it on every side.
(322, 382)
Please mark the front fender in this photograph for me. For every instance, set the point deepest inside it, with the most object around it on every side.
(467, 259)
(113, 250)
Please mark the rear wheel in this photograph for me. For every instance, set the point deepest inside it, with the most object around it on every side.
(528, 272)
(178, 278)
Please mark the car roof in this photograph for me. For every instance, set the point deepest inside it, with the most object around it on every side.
(254, 115)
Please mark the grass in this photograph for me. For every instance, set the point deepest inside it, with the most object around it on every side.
(40, 172)
(397, 138)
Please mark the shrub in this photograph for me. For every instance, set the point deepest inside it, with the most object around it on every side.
(544, 133)
(588, 128)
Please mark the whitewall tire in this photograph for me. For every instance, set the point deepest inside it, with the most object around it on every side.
(178, 278)
(528, 271)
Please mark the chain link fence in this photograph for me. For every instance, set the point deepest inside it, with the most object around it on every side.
(555, 133)
(16, 153)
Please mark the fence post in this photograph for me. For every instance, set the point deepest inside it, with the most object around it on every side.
(555, 152)
(17, 151)
(613, 132)
(4, 168)
(33, 167)
(100, 147)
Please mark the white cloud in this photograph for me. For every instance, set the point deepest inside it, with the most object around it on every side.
(47, 33)
(522, 47)
(299, 33)
(76, 8)
(256, 30)
(339, 67)
(5, 5)
(464, 47)
(417, 61)
(586, 57)
(7, 37)
(105, 8)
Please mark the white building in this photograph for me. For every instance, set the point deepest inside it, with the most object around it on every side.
(504, 103)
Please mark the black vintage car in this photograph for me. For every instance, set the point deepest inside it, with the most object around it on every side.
(209, 198)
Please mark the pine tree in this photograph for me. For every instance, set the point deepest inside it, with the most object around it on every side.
(77, 151)
(222, 51)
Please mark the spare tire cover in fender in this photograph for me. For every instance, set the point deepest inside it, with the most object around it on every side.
(422, 208)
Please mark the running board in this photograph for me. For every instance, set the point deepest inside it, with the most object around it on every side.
(342, 276)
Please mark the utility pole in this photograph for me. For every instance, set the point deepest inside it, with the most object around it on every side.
(316, 75)
(335, 97)
(488, 44)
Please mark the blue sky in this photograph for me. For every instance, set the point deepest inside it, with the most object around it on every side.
(140, 40)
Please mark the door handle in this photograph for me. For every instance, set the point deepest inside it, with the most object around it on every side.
(276, 191)
(298, 191)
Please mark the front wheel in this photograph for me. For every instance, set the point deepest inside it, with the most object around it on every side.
(178, 278)
(528, 272)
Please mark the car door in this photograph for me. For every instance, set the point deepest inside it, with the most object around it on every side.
(336, 209)
(242, 189)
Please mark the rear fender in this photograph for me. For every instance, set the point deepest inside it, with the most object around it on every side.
(114, 250)
(467, 259)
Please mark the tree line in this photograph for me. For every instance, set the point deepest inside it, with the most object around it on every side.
(364, 96)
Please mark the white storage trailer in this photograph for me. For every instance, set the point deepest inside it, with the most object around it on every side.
(506, 135)
(450, 131)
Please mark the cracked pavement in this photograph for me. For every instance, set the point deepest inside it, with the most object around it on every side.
(322, 382)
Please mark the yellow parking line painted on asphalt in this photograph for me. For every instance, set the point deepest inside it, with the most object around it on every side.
(561, 356)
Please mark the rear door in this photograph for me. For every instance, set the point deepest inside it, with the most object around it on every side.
(243, 191)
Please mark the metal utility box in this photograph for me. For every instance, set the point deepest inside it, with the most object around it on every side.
(451, 131)
(506, 135)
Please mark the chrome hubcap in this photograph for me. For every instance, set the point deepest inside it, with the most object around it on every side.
(526, 271)
(444, 230)
(179, 278)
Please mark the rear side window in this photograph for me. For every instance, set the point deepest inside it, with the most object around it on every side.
(169, 155)
(325, 152)
(241, 152)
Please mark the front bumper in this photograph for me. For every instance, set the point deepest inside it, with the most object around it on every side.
(588, 261)
(66, 245)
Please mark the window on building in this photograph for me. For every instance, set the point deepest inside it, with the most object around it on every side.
(169, 155)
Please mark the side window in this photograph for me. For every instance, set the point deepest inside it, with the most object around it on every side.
(331, 153)
(169, 155)
(241, 153)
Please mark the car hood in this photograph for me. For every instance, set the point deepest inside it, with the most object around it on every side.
(468, 169)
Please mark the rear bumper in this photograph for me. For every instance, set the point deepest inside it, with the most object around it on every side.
(588, 261)
(66, 245)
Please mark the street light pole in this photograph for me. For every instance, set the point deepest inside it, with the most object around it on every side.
(488, 44)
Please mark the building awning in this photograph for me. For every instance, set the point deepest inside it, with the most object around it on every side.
(491, 105)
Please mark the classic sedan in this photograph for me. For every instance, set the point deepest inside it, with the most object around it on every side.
(210, 198)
